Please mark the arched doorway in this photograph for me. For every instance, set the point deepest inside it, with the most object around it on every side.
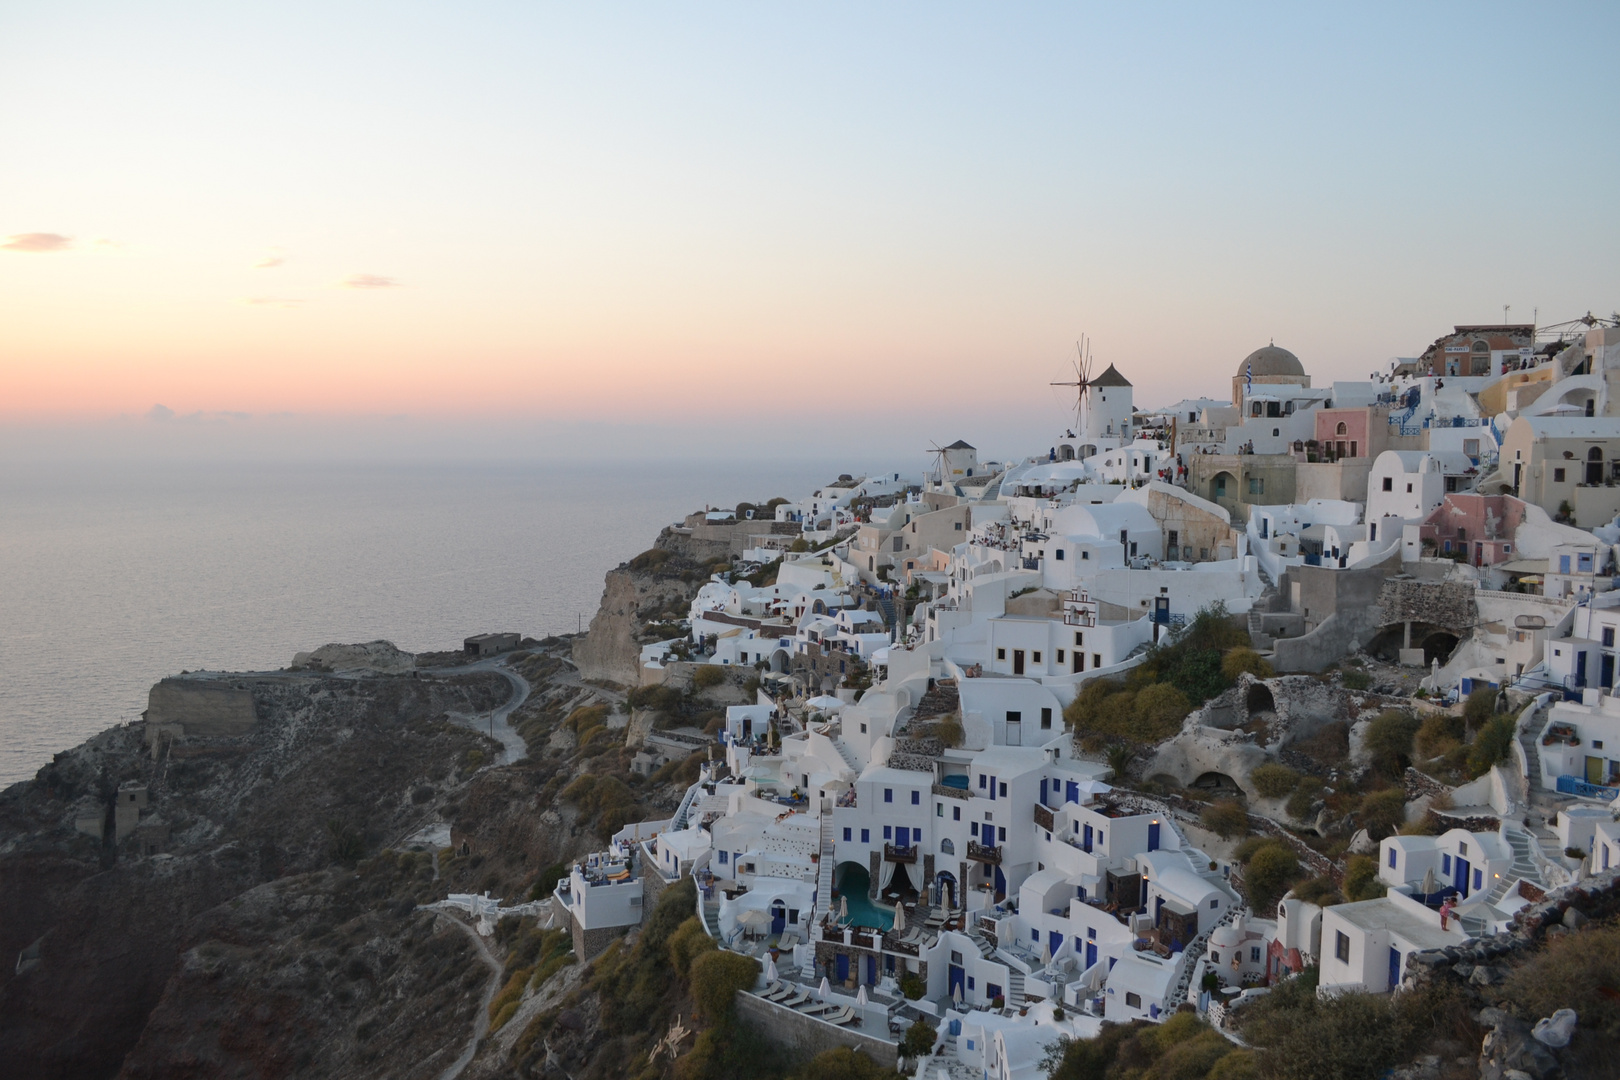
(778, 916)
(1260, 699)
(1065, 452)
(779, 661)
(945, 889)
(1223, 485)
(1218, 782)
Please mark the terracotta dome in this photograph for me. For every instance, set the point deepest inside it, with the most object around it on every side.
(1271, 361)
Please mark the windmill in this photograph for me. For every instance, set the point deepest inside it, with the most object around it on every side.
(1082, 378)
(937, 452)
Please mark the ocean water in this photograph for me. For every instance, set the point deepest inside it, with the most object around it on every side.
(115, 574)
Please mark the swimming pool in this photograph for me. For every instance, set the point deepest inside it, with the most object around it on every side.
(853, 884)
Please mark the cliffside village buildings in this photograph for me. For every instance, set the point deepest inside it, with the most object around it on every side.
(1459, 513)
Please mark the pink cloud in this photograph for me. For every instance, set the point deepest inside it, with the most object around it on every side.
(369, 281)
(37, 242)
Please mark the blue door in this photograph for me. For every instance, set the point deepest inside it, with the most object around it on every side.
(1054, 940)
(1608, 670)
(1461, 880)
(992, 991)
(1043, 791)
(1091, 953)
(1072, 792)
(1580, 669)
(1153, 836)
(778, 917)
(1394, 967)
(843, 967)
(1001, 884)
(871, 971)
(1086, 839)
(953, 981)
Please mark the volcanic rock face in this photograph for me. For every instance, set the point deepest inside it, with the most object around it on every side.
(659, 583)
(378, 657)
(328, 774)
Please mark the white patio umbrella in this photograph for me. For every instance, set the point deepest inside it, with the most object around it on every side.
(899, 917)
(753, 919)
(770, 972)
(1430, 886)
(824, 989)
(860, 996)
(959, 993)
(1094, 787)
(843, 907)
(1048, 951)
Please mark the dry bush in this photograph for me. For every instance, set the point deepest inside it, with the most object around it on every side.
(1227, 818)
(1274, 781)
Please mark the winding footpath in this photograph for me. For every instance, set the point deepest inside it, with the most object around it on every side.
(511, 742)
(481, 1018)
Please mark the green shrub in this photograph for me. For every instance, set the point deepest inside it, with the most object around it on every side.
(1383, 812)
(716, 977)
(688, 942)
(1356, 679)
(1160, 709)
(949, 730)
(1576, 971)
(1306, 791)
(1319, 891)
(912, 985)
(1361, 879)
(1438, 734)
(1274, 781)
(708, 676)
(657, 698)
(1244, 659)
(1227, 818)
(651, 559)
(1389, 741)
(1493, 744)
(919, 1039)
(1480, 706)
(1269, 873)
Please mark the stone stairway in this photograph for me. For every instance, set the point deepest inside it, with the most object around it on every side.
(1524, 864)
(1015, 986)
(847, 752)
(824, 869)
(1532, 756)
(711, 919)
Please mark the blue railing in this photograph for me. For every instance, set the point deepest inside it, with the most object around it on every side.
(1574, 785)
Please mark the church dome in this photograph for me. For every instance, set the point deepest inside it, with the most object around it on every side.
(1271, 361)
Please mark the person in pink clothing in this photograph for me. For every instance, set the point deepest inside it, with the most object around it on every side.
(1445, 911)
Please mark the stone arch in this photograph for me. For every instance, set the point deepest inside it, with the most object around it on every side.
(947, 846)
(1223, 485)
(1217, 781)
(945, 883)
(1065, 452)
(1087, 451)
(779, 661)
(1260, 699)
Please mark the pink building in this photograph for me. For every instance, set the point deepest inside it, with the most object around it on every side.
(1481, 525)
(1346, 433)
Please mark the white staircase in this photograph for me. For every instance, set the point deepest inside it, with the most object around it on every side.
(1524, 862)
(847, 752)
(1015, 987)
(824, 869)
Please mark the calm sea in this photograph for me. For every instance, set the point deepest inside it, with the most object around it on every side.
(114, 575)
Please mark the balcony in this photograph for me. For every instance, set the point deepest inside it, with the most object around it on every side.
(985, 853)
(1580, 788)
(899, 854)
(1043, 817)
(952, 792)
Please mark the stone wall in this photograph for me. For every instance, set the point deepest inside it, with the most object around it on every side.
(588, 944)
(808, 1036)
(1446, 604)
(200, 709)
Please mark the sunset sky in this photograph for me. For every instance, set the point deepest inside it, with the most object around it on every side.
(510, 215)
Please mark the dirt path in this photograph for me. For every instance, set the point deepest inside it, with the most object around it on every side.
(481, 1019)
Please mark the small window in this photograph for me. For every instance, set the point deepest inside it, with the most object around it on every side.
(1060, 656)
(1133, 1000)
(888, 832)
(1392, 858)
(1079, 639)
(724, 855)
(1558, 476)
(1409, 489)
(1014, 718)
(1257, 486)
(1389, 483)
(866, 836)
(1046, 714)
(1084, 554)
(983, 779)
(939, 809)
(958, 526)
(1035, 656)
(888, 794)
(1213, 904)
(1004, 790)
(916, 798)
(1096, 659)
(1341, 945)
(1254, 954)
(1001, 654)
(1608, 637)
(956, 813)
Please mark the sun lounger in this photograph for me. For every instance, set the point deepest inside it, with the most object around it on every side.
(795, 999)
(818, 1009)
(774, 991)
(842, 1016)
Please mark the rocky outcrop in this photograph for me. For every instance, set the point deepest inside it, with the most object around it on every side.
(658, 584)
(376, 657)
